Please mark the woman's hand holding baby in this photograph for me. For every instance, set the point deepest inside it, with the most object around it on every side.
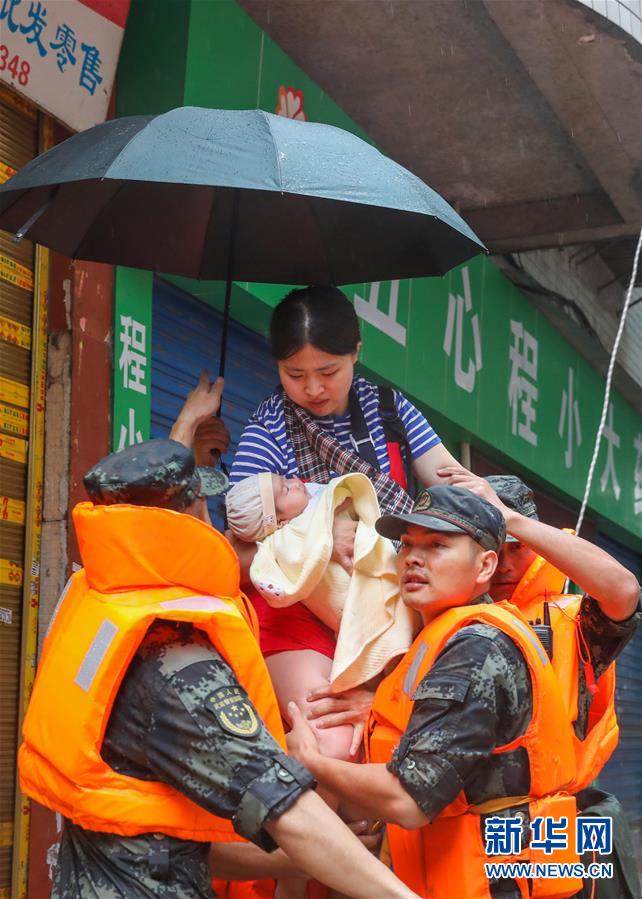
(343, 534)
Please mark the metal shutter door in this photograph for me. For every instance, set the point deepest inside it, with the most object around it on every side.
(186, 336)
(18, 144)
(622, 776)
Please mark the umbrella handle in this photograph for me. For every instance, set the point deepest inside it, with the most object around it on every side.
(231, 256)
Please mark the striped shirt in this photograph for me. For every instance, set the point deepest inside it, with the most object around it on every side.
(264, 444)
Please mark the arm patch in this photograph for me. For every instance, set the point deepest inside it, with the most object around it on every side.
(450, 688)
(234, 712)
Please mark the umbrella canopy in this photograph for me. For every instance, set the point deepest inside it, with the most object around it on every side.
(244, 195)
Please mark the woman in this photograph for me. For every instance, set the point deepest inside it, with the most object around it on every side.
(308, 428)
(307, 425)
(321, 422)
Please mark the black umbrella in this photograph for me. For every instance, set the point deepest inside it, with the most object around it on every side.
(235, 195)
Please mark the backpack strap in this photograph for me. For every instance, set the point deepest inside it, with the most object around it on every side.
(361, 439)
(396, 439)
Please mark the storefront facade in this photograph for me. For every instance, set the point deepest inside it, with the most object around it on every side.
(502, 387)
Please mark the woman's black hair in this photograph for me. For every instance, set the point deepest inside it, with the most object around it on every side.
(319, 315)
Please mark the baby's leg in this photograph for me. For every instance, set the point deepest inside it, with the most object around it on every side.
(294, 674)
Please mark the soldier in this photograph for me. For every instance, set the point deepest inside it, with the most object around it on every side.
(153, 713)
(472, 723)
(583, 634)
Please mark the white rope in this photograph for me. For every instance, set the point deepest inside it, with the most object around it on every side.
(607, 389)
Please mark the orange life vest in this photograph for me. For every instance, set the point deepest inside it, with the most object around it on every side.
(542, 582)
(140, 565)
(445, 859)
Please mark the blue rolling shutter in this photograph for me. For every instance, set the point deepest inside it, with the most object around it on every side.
(622, 776)
(186, 336)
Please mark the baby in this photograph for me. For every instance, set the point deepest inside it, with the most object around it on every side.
(292, 523)
(260, 504)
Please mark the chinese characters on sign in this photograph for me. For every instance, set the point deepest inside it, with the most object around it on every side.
(522, 387)
(570, 421)
(536, 394)
(62, 54)
(132, 363)
(458, 308)
(386, 322)
(612, 442)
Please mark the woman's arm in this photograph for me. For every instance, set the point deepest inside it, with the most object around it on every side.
(427, 451)
(427, 466)
(245, 552)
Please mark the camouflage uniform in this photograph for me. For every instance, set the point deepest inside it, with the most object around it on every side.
(605, 638)
(164, 727)
(478, 696)
(167, 724)
(478, 693)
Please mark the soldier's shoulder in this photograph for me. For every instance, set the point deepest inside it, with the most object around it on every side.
(485, 638)
(171, 647)
(487, 650)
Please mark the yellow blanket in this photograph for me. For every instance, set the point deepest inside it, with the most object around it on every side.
(364, 609)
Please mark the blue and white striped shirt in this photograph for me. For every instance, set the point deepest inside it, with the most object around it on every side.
(264, 444)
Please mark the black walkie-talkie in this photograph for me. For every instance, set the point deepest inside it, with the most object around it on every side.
(544, 631)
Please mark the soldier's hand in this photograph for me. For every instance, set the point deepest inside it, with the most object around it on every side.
(211, 436)
(328, 709)
(301, 740)
(201, 403)
(369, 836)
(457, 477)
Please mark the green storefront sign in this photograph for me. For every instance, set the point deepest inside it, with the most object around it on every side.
(132, 385)
(468, 346)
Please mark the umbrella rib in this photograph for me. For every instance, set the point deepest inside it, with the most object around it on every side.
(276, 151)
(325, 252)
(131, 139)
(99, 213)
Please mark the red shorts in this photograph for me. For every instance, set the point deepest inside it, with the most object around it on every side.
(291, 628)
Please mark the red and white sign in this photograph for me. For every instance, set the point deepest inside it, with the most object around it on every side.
(62, 54)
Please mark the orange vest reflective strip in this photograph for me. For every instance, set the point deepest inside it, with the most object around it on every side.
(541, 582)
(446, 858)
(85, 657)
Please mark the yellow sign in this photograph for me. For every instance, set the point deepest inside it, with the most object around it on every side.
(6, 172)
(15, 332)
(14, 273)
(14, 420)
(10, 573)
(13, 448)
(12, 510)
(14, 392)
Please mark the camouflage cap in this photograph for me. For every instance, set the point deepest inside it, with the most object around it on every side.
(155, 473)
(452, 510)
(514, 493)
